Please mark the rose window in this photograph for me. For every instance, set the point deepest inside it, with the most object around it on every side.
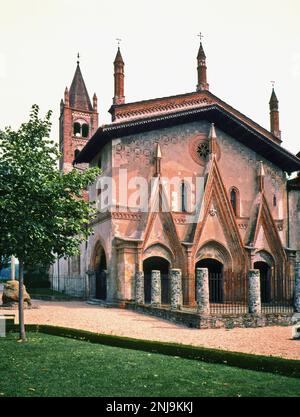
(203, 150)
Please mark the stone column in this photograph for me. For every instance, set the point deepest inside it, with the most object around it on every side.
(155, 288)
(202, 291)
(139, 288)
(297, 287)
(254, 291)
(176, 289)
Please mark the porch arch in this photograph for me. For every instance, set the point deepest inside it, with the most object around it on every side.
(159, 250)
(213, 249)
(263, 255)
(163, 265)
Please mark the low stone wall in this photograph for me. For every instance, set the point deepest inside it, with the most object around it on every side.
(197, 321)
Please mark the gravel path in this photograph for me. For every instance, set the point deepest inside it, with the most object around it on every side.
(275, 340)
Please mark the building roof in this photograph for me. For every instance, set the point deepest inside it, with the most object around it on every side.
(79, 97)
(157, 113)
(164, 105)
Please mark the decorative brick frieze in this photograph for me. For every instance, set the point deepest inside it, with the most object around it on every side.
(159, 106)
(126, 216)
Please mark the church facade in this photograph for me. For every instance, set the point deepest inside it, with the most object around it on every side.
(186, 182)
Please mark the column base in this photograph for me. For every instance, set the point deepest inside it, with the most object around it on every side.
(155, 305)
(176, 308)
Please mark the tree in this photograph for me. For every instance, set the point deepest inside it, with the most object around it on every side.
(4, 262)
(42, 214)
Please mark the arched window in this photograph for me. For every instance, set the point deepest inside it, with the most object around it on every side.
(234, 200)
(77, 129)
(76, 153)
(183, 197)
(85, 130)
(274, 200)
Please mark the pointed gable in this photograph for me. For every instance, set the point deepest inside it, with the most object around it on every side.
(79, 97)
(262, 231)
(217, 219)
(159, 226)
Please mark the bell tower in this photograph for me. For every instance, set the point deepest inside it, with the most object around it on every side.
(78, 120)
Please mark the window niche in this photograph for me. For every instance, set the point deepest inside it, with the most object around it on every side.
(235, 200)
(81, 129)
(77, 129)
(85, 130)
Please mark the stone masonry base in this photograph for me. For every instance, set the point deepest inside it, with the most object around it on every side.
(227, 321)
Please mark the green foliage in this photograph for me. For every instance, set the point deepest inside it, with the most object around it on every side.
(41, 210)
(49, 366)
(4, 261)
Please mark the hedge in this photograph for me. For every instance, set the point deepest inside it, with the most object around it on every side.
(271, 364)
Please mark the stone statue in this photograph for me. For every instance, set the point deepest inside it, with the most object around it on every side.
(10, 294)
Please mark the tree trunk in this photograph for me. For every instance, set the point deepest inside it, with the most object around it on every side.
(12, 268)
(21, 302)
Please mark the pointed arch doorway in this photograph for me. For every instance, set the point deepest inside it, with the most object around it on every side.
(215, 278)
(101, 274)
(265, 280)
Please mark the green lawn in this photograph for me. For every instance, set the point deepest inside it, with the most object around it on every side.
(55, 366)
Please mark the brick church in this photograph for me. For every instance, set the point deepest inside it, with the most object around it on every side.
(250, 204)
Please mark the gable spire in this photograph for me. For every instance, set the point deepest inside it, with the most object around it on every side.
(261, 176)
(119, 75)
(201, 68)
(67, 97)
(157, 158)
(274, 114)
(212, 140)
